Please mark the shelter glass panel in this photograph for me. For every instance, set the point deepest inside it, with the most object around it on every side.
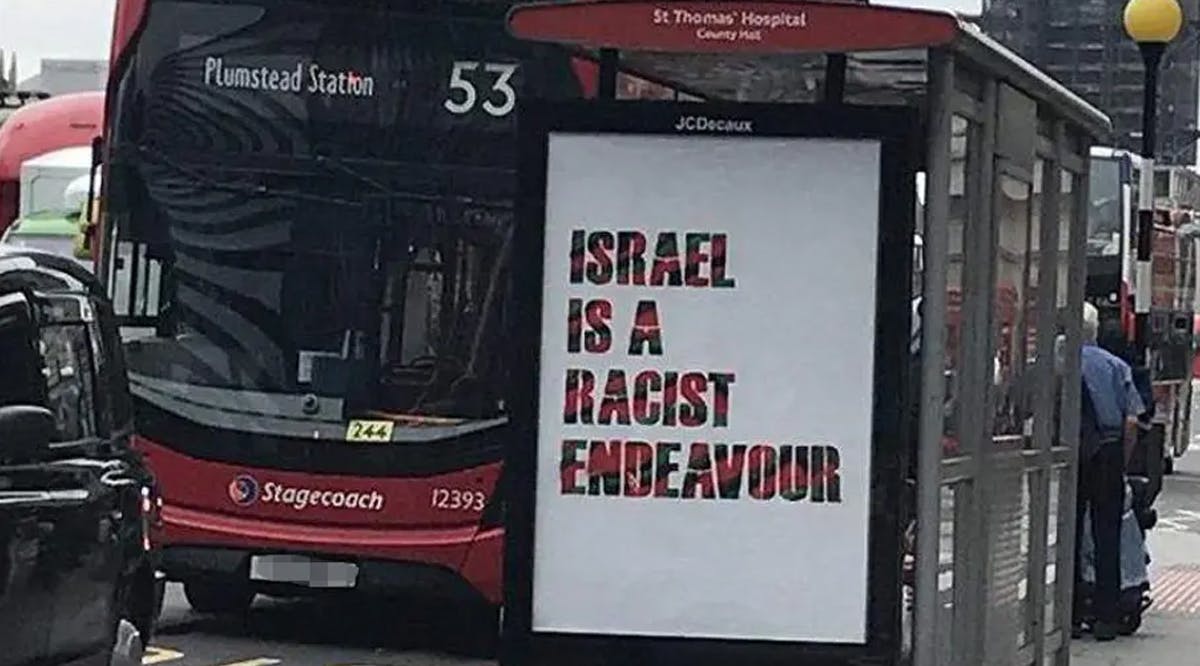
(1068, 188)
(953, 514)
(630, 86)
(1007, 516)
(1014, 213)
(964, 144)
(1026, 391)
(1058, 521)
(1066, 212)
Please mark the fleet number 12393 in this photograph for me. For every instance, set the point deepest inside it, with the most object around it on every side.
(454, 499)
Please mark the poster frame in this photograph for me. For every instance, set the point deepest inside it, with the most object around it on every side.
(898, 131)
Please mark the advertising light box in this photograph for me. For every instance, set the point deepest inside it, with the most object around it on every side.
(704, 412)
(705, 406)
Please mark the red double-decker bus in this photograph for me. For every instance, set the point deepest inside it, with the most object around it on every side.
(308, 209)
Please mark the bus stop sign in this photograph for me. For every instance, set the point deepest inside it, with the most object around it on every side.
(729, 27)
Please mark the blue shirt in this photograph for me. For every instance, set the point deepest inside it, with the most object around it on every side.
(1110, 382)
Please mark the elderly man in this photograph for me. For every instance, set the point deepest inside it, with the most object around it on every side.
(1108, 430)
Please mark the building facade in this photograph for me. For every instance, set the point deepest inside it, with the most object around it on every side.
(1082, 43)
(61, 76)
(12, 95)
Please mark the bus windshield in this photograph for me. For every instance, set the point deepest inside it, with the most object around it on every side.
(1106, 207)
(314, 199)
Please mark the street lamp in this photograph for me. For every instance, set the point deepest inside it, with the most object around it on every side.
(1152, 24)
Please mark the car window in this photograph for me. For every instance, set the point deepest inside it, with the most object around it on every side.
(70, 385)
(114, 407)
(19, 383)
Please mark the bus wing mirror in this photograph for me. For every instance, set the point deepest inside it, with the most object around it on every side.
(85, 236)
(97, 151)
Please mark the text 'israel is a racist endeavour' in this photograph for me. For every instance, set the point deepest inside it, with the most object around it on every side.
(627, 399)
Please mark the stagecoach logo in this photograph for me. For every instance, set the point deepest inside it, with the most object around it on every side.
(721, 125)
(243, 490)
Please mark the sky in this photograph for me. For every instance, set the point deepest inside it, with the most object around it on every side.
(37, 29)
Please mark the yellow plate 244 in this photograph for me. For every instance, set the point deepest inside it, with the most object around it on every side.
(369, 431)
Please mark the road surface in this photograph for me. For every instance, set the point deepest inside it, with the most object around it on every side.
(305, 633)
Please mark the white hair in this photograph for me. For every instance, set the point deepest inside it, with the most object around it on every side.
(1091, 323)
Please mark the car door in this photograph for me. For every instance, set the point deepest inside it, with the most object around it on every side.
(65, 554)
(26, 587)
(93, 494)
(85, 507)
(26, 591)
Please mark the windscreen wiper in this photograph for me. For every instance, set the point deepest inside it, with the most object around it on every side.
(336, 164)
(162, 158)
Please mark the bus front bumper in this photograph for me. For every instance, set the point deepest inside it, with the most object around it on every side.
(461, 563)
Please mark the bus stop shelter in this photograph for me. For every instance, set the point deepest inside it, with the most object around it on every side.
(998, 290)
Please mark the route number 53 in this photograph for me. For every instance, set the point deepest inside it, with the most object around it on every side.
(463, 96)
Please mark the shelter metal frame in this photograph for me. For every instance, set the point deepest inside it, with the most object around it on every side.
(1004, 209)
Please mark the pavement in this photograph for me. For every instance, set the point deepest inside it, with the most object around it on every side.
(1171, 626)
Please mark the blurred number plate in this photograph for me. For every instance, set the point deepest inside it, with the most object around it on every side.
(369, 431)
(302, 570)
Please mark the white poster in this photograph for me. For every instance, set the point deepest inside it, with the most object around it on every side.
(706, 387)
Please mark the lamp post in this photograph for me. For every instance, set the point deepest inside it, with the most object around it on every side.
(1152, 24)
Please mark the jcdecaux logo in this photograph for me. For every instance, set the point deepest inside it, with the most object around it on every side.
(245, 490)
(719, 125)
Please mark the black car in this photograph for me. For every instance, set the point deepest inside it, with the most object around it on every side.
(78, 573)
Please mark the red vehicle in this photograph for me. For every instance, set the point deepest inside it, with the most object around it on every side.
(38, 128)
(1174, 286)
(308, 207)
